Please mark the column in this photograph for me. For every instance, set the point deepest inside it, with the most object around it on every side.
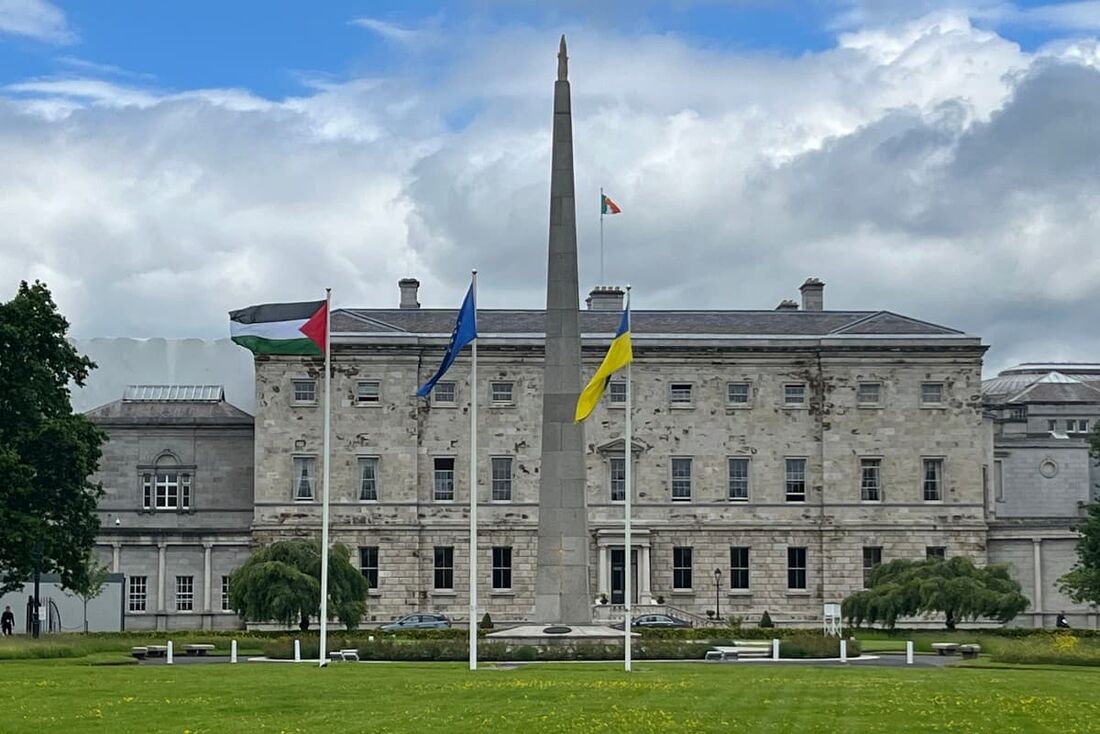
(1037, 599)
(116, 552)
(643, 571)
(605, 580)
(161, 558)
(206, 576)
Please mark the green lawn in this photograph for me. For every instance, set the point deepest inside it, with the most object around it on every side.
(64, 696)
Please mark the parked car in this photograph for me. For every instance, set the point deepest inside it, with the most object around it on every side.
(418, 621)
(653, 620)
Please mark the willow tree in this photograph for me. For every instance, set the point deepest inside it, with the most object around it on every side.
(955, 588)
(281, 582)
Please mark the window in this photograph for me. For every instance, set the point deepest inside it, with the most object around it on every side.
(502, 478)
(617, 467)
(368, 478)
(679, 393)
(305, 391)
(368, 392)
(444, 477)
(739, 480)
(616, 392)
(794, 394)
(305, 473)
(998, 481)
(681, 479)
(931, 393)
(739, 567)
(1071, 426)
(502, 568)
(166, 490)
(138, 586)
(737, 393)
(1083, 426)
(796, 568)
(681, 568)
(226, 607)
(872, 556)
(796, 480)
(443, 393)
(368, 565)
(869, 393)
(870, 480)
(444, 568)
(935, 552)
(147, 491)
(185, 593)
(1052, 426)
(1018, 414)
(933, 480)
(501, 392)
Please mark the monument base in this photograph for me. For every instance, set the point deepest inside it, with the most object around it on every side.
(537, 634)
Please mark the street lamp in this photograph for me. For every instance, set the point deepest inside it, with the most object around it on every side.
(717, 593)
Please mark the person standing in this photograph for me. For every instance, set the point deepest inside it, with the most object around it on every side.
(7, 622)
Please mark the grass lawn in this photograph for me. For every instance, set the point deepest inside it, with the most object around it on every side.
(65, 696)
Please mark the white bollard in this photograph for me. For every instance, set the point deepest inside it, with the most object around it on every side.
(233, 651)
(168, 655)
(843, 651)
(775, 649)
(370, 638)
(297, 651)
(909, 652)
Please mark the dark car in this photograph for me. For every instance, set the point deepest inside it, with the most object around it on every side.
(653, 620)
(418, 621)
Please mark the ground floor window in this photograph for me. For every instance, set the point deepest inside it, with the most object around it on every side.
(681, 568)
(226, 607)
(185, 593)
(796, 568)
(368, 565)
(502, 567)
(444, 568)
(137, 595)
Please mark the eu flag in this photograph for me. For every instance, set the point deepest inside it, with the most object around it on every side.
(465, 332)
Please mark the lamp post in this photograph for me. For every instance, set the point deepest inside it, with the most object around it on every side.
(717, 593)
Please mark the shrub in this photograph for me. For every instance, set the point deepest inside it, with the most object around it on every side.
(486, 622)
(766, 620)
(815, 645)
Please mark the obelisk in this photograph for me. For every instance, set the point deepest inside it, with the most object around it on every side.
(561, 583)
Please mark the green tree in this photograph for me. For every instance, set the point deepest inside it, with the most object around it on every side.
(95, 577)
(1082, 583)
(956, 588)
(281, 582)
(47, 453)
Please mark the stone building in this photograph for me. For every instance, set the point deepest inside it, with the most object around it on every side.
(777, 454)
(177, 478)
(1043, 477)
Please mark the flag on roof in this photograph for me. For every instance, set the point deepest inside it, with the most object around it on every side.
(619, 355)
(281, 328)
(607, 206)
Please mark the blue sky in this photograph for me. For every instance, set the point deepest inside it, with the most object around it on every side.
(269, 47)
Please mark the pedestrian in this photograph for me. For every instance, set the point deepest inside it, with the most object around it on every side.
(7, 622)
(1062, 623)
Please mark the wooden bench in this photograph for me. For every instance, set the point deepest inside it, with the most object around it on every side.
(139, 652)
(156, 651)
(945, 648)
(970, 652)
(198, 649)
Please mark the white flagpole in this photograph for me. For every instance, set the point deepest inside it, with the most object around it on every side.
(473, 484)
(628, 449)
(601, 236)
(323, 657)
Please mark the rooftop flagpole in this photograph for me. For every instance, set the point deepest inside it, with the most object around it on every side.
(323, 658)
(601, 235)
(628, 446)
(473, 484)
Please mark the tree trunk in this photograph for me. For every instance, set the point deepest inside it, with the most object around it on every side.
(950, 621)
(85, 615)
(304, 624)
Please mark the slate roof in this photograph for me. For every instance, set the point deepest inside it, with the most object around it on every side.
(1029, 387)
(685, 323)
(171, 405)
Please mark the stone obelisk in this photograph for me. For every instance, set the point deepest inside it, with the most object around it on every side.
(561, 585)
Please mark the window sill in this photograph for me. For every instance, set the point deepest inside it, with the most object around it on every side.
(682, 406)
(739, 593)
(869, 406)
(800, 501)
(682, 500)
(303, 404)
(502, 593)
(933, 406)
(368, 502)
(738, 407)
(500, 502)
(368, 405)
(444, 592)
(738, 500)
(795, 407)
(870, 502)
(449, 406)
(502, 405)
(933, 502)
(443, 502)
(798, 592)
(682, 592)
(374, 592)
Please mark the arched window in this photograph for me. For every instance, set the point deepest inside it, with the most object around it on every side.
(166, 485)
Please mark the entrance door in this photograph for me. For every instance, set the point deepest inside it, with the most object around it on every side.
(618, 578)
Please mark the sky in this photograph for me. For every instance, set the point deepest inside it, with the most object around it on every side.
(161, 164)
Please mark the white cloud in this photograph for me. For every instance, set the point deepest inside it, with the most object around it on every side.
(392, 31)
(37, 19)
(916, 167)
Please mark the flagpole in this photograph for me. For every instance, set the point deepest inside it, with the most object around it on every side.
(601, 236)
(628, 449)
(323, 658)
(473, 484)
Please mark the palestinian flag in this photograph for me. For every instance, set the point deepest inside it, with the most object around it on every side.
(281, 328)
(607, 206)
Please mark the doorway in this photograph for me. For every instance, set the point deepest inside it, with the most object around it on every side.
(618, 575)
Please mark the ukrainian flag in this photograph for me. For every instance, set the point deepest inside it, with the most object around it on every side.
(619, 355)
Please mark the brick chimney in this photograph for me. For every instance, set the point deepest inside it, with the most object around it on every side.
(409, 287)
(605, 298)
(813, 295)
(787, 305)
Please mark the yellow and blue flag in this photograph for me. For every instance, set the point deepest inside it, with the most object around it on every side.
(619, 355)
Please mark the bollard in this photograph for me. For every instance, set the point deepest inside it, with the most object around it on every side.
(843, 651)
(297, 651)
(233, 651)
(909, 652)
(168, 654)
(370, 638)
(775, 649)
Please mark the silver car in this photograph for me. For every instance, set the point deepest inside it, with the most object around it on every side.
(418, 621)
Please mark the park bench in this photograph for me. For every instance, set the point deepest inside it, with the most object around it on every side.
(346, 654)
(945, 648)
(740, 649)
(156, 651)
(139, 652)
(970, 652)
(198, 649)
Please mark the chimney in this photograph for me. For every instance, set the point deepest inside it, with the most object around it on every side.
(813, 295)
(409, 287)
(605, 298)
(787, 305)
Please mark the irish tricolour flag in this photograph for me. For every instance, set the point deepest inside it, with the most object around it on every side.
(281, 328)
